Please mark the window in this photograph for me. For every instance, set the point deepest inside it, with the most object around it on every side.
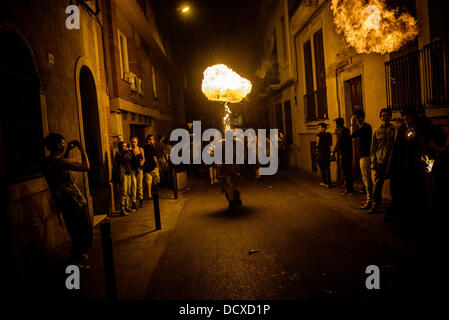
(315, 99)
(123, 50)
(438, 24)
(283, 44)
(153, 74)
(288, 122)
(21, 135)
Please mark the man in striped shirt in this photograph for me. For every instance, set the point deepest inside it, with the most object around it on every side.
(381, 150)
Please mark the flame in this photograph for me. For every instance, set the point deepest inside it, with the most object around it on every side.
(223, 84)
(429, 163)
(369, 26)
(227, 117)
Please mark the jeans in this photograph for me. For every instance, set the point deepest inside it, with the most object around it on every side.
(325, 168)
(151, 178)
(125, 187)
(137, 185)
(365, 168)
(379, 179)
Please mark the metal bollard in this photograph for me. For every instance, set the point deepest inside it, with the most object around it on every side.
(157, 213)
(175, 183)
(108, 260)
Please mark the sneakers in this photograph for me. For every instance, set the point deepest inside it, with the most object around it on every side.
(134, 207)
(366, 205)
(323, 184)
(124, 213)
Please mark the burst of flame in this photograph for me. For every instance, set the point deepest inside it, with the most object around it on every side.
(429, 163)
(223, 84)
(371, 27)
(227, 117)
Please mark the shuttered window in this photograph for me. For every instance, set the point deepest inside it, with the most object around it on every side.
(315, 101)
(320, 71)
(309, 99)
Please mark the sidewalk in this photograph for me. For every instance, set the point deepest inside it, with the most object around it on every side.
(137, 247)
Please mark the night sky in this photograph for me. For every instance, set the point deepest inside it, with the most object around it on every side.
(214, 31)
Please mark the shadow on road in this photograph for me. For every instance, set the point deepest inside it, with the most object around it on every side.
(238, 213)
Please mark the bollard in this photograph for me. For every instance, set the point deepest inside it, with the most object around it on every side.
(157, 213)
(108, 260)
(175, 183)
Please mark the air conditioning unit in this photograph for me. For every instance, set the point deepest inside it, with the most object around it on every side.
(140, 86)
(133, 81)
(126, 76)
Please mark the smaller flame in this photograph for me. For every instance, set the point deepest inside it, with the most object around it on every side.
(227, 117)
(429, 163)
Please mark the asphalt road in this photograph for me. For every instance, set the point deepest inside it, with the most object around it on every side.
(310, 242)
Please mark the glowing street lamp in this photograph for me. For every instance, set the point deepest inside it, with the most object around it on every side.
(185, 9)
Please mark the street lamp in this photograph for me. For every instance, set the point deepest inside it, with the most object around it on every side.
(184, 9)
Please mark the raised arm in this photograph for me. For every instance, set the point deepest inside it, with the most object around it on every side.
(76, 166)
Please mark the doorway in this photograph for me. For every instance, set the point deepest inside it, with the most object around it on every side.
(354, 101)
(92, 139)
(138, 131)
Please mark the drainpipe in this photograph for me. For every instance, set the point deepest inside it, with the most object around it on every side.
(288, 39)
(336, 83)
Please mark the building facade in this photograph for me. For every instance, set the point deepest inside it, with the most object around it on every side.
(330, 79)
(103, 81)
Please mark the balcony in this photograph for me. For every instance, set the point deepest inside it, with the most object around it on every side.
(435, 58)
(272, 76)
(419, 78)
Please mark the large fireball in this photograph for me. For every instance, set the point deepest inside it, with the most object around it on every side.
(223, 84)
(368, 26)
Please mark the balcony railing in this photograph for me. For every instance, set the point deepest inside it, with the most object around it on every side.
(419, 78)
(435, 59)
(403, 81)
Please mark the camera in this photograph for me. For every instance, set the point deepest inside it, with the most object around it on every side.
(72, 144)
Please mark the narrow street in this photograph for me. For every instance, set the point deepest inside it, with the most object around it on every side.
(310, 242)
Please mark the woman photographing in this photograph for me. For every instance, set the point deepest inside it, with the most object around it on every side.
(69, 199)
